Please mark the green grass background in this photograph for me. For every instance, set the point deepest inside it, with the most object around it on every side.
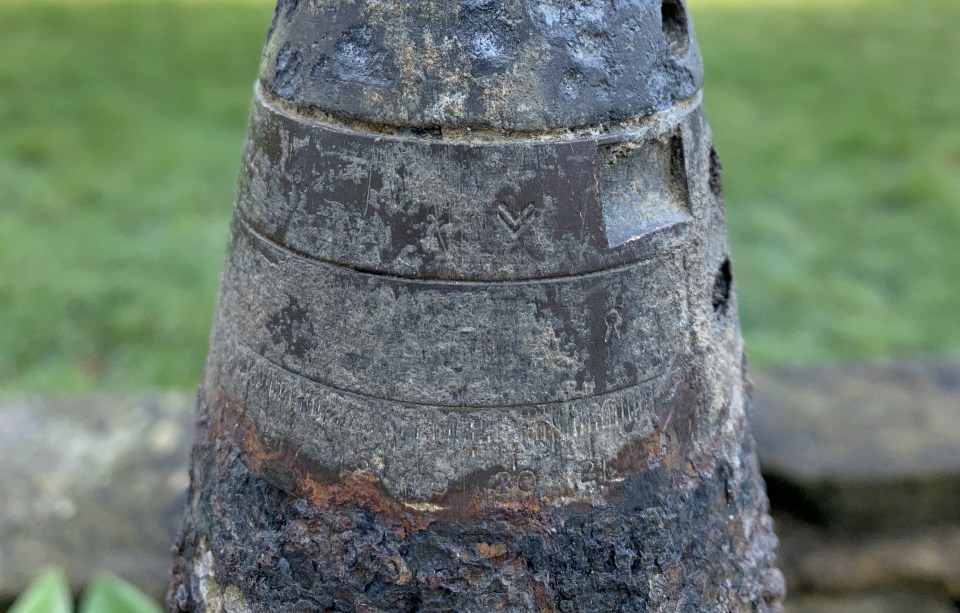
(121, 124)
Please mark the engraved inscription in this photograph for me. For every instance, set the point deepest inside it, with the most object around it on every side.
(501, 482)
(526, 480)
(516, 220)
(614, 320)
(422, 453)
(595, 470)
(505, 482)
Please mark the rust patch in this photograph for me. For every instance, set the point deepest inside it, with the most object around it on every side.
(491, 550)
(542, 596)
(318, 485)
(669, 445)
(640, 453)
(298, 537)
(471, 499)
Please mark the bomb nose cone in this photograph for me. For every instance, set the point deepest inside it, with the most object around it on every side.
(519, 65)
(495, 369)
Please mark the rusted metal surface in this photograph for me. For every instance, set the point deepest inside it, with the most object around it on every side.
(514, 65)
(482, 355)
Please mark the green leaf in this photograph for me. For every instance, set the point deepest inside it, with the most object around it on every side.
(111, 594)
(48, 594)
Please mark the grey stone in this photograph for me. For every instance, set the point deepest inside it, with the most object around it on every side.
(863, 446)
(920, 559)
(873, 602)
(92, 484)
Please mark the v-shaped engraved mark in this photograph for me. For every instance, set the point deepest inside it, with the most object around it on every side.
(516, 223)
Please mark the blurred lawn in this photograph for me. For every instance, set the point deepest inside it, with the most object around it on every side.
(120, 132)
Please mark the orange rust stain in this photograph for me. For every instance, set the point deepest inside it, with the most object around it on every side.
(487, 550)
(474, 576)
(544, 601)
(528, 505)
(357, 489)
(322, 491)
(326, 489)
(399, 566)
(639, 453)
(364, 491)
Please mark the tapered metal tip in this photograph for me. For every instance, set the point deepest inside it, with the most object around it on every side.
(520, 65)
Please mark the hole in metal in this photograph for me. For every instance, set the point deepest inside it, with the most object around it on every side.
(721, 289)
(716, 180)
(675, 27)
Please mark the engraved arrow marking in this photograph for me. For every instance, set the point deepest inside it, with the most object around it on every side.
(516, 223)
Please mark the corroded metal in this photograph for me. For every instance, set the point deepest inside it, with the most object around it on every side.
(476, 347)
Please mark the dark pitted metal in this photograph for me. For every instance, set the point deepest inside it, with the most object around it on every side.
(522, 65)
(476, 347)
